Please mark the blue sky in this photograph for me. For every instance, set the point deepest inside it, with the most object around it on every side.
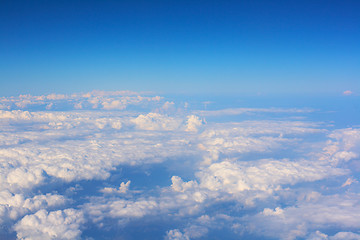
(241, 120)
(202, 47)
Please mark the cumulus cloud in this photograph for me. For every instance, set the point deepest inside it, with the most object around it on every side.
(156, 121)
(14, 206)
(342, 146)
(336, 211)
(193, 123)
(61, 224)
(119, 208)
(175, 234)
(124, 187)
(263, 175)
(277, 178)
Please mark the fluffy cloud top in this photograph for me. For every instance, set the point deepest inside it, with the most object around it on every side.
(65, 170)
(61, 224)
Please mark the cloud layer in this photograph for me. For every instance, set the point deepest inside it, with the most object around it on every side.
(85, 165)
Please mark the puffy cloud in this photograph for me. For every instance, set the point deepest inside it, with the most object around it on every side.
(264, 175)
(25, 178)
(345, 235)
(191, 232)
(61, 224)
(168, 106)
(235, 139)
(285, 174)
(219, 182)
(124, 187)
(122, 209)
(334, 211)
(14, 206)
(175, 234)
(193, 123)
(156, 121)
(277, 212)
(343, 146)
(246, 182)
(77, 145)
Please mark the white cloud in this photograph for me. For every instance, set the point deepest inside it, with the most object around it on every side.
(277, 212)
(334, 211)
(111, 100)
(124, 187)
(265, 175)
(119, 208)
(14, 206)
(193, 123)
(61, 224)
(343, 146)
(345, 235)
(270, 168)
(175, 234)
(156, 121)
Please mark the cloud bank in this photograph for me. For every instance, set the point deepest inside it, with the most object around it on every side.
(94, 164)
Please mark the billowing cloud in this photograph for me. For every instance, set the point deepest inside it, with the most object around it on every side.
(193, 123)
(14, 206)
(119, 160)
(61, 224)
(156, 121)
(124, 187)
(322, 212)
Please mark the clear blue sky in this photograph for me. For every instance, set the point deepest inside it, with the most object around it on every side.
(238, 47)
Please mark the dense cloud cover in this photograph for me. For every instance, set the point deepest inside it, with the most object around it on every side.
(121, 164)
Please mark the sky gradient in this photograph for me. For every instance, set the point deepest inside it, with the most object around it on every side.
(201, 47)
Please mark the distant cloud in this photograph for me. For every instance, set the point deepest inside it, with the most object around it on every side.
(107, 100)
(238, 111)
(347, 93)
